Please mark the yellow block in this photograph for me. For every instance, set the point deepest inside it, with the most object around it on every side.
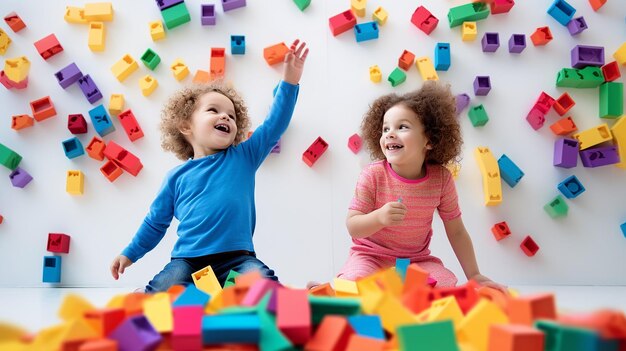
(345, 288)
(393, 313)
(474, 328)
(443, 309)
(157, 32)
(97, 35)
(116, 104)
(10, 332)
(391, 281)
(124, 67)
(179, 69)
(370, 300)
(78, 329)
(17, 69)
(469, 31)
(593, 136)
(215, 304)
(73, 307)
(75, 183)
(620, 54)
(375, 74)
(492, 185)
(619, 137)
(5, 41)
(380, 15)
(99, 11)
(116, 301)
(48, 338)
(358, 7)
(426, 68)
(147, 85)
(158, 309)
(206, 281)
(75, 15)
(14, 345)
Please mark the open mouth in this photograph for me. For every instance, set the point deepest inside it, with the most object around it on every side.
(394, 146)
(223, 128)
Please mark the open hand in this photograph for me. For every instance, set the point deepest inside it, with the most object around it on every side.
(294, 62)
(119, 264)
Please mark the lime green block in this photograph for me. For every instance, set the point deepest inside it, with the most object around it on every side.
(325, 305)
(176, 15)
(397, 77)
(592, 77)
(611, 100)
(478, 115)
(467, 13)
(568, 78)
(588, 77)
(9, 158)
(565, 338)
(302, 4)
(150, 59)
(557, 207)
(429, 336)
(230, 280)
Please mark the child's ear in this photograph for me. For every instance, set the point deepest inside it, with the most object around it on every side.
(185, 128)
(429, 147)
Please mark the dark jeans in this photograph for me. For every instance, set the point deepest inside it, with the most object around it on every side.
(179, 270)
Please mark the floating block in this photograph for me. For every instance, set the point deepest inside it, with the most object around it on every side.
(147, 84)
(517, 43)
(111, 171)
(124, 67)
(179, 69)
(42, 109)
(509, 172)
(75, 14)
(585, 55)
(490, 42)
(176, 15)
(207, 14)
(380, 15)
(565, 153)
(571, 187)
(462, 101)
(14, 21)
(577, 25)
(354, 143)
(21, 121)
(150, 59)
(593, 136)
(469, 31)
(136, 333)
(424, 20)
(228, 5)
(51, 269)
(68, 75)
(541, 36)
(124, 158)
(369, 326)
(48, 46)
(515, 338)
(75, 182)
(561, 11)
(482, 85)
(97, 36)
(73, 148)
(237, 45)
(564, 126)
(396, 77)
(500, 230)
(101, 121)
(426, 68)
(600, 156)
(563, 104)
(217, 65)
(501, 6)
(17, 69)
(157, 32)
(315, 151)
(9, 158)
(76, 124)
(20, 178)
(116, 104)
(231, 328)
(442, 56)
(611, 100)
(131, 127)
(341, 22)
(478, 116)
(275, 54)
(99, 11)
(406, 60)
(89, 89)
(366, 31)
(375, 74)
(557, 207)
(492, 186)
(610, 71)
(469, 12)
(58, 243)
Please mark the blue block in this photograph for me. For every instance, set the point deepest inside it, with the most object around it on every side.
(237, 45)
(233, 328)
(571, 187)
(368, 326)
(192, 296)
(366, 31)
(51, 269)
(561, 11)
(101, 120)
(442, 56)
(73, 148)
(623, 228)
(509, 172)
(401, 265)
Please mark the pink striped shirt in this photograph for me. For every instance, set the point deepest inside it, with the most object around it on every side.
(379, 184)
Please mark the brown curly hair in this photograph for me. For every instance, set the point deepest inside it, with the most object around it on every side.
(178, 109)
(435, 107)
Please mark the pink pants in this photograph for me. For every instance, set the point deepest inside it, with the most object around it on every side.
(360, 265)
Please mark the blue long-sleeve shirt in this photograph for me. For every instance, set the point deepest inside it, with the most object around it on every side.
(213, 197)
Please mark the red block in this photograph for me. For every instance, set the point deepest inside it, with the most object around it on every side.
(596, 4)
(122, 157)
(131, 127)
(217, 64)
(48, 46)
(500, 230)
(541, 36)
(42, 109)
(466, 295)
(9, 84)
(95, 149)
(564, 126)
(406, 60)
(342, 22)
(111, 171)
(424, 20)
(332, 334)
(58, 242)
(293, 315)
(187, 333)
(21, 122)
(536, 118)
(106, 320)
(77, 124)
(529, 246)
(544, 102)
(315, 151)
(611, 71)
(563, 104)
(501, 6)
(355, 142)
(14, 21)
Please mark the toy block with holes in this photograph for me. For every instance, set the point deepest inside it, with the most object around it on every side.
(48, 46)
(478, 116)
(20, 178)
(187, 328)
(406, 60)
(358, 7)
(111, 171)
(333, 333)
(492, 186)
(482, 85)
(424, 20)
(446, 308)
(75, 182)
(517, 43)
(593, 136)
(557, 207)
(469, 31)
(380, 15)
(619, 138)
(563, 104)
(131, 127)
(237, 45)
(179, 69)
(9, 84)
(565, 153)
(150, 59)
(315, 151)
(42, 109)
(58, 243)
(375, 74)
(509, 171)
(366, 31)
(176, 15)
(610, 71)
(95, 148)
(275, 54)
(9, 158)
(99, 11)
(442, 56)
(157, 32)
(68, 75)
(165, 4)
(124, 158)
(501, 230)
(51, 269)
(599, 156)
(76, 123)
(20, 122)
(17, 69)
(228, 5)
(14, 21)
(355, 143)
(490, 42)
(124, 67)
(541, 36)
(585, 55)
(597, 4)
(611, 100)
(577, 25)
(469, 12)
(72, 147)
(526, 310)
(564, 126)
(561, 11)
(501, 6)
(514, 337)
(75, 14)
(206, 281)
(341, 22)
(217, 66)
(620, 54)
(571, 187)
(5, 42)
(207, 14)
(101, 120)
(147, 84)
(97, 36)
(116, 104)
(437, 335)
(201, 77)
(426, 68)
(90, 89)
(136, 333)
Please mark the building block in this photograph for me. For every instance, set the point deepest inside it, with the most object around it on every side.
(426, 68)
(354, 143)
(76, 124)
(500, 230)
(68, 75)
(124, 67)
(380, 15)
(5, 42)
(593, 136)
(544, 102)
(315, 151)
(187, 331)
(619, 138)
(358, 7)
(401, 266)
(563, 104)
(164, 4)
(257, 291)
(588, 77)
(490, 42)
(1, 219)
(157, 31)
(430, 336)
(136, 333)
(586, 55)
(560, 337)
(42, 109)
(217, 67)
(442, 309)
(469, 12)
(611, 100)
(393, 313)
(176, 15)
(17, 69)
(237, 45)
(192, 296)
(101, 121)
(179, 69)
(517, 43)
(597, 4)
(565, 153)
(375, 74)
(21, 122)
(231, 328)
(111, 171)
(462, 101)
(75, 14)
(207, 14)
(14, 21)
(322, 290)
(509, 171)
(358, 343)
(206, 281)
(442, 56)
(536, 118)
(116, 104)
(99, 11)
(501, 6)
(51, 269)
(293, 315)
(302, 4)
(366, 31)
(482, 85)
(622, 227)
(620, 54)
(396, 77)
(322, 306)
(201, 77)
(75, 182)
(469, 31)
(9, 158)
(577, 25)
(368, 326)
(89, 89)
(48, 46)
(600, 156)
(332, 334)
(131, 127)
(341, 22)
(345, 288)
(610, 71)
(97, 36)
(492, 186)
(561, 11)
(564, 126)
(20, 178)
(147, 84)
(416, 278)
(150, 59)
(58, 243)
(526, 310)
(541, 36)
(515, 338)
(98, 345)
(73, 148)
(478, 116)
(557, 207)
(125, 159)
(9, 84)
(424, 20)
(228, 5)
(275, 54)
(474, 328)
(571, 187)
(406, 60)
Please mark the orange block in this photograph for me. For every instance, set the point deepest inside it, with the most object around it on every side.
(415, 277)
(95, 149)
(233, 295)
(175, 291)
(564, 126)
(609, 324)
(133, 303)
(332, 334)
(406, 60)
(541, 36)
(494, 295)
(106, 320)
(418, 299)
(218, 63)
(323, 290)
(525, 310)
(360, 343)
(42, 108)
(201, 77)
(504, 337)
(21, 122)
(563, 104)
(596, 4)
(293, 315)
(246, 280)
(275, 54)
(98, 345)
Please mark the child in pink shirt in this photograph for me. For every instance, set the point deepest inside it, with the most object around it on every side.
(412, 137)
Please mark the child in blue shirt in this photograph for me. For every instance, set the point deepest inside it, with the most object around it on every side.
(212, 193)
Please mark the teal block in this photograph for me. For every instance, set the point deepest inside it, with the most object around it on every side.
(429, 336)
(192, 296)
(302, 4)
(9, 158)
(325, 305)
(557, 207)
(611, 100)
(401, 266)
(176, 15)
(566, 338)
(396, 77)
(150, 59)
(469, 12)
(478, 116)
(368, 326)
(230, 279)
(231, 328)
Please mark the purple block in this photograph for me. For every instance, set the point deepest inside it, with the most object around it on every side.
(136, 333)
(517, 43)
(68, 75)
(600, 156)
(89, 88)
(577, 25)
(208, 15)
(490, 42)
(276, 148)
(20, 178)
(271, 305)
(228, 5)
(462, 101)
(585, 55)
(566, 153)
(482, 85)
(163, 4)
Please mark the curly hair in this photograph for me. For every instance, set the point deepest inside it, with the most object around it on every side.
(179, 108)
(435, 107)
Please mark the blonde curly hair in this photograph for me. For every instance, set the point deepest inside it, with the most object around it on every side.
(435, 107)
(179, 108)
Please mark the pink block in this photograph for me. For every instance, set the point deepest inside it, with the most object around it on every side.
(187, 333)
(257, 291)
(536, 118)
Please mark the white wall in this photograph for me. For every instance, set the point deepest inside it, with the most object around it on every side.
(301, 210)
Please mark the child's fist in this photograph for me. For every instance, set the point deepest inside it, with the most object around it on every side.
(120, 263)
(392, 213)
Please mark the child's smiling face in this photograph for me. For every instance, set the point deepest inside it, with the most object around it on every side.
(403, 141)
(212, 127)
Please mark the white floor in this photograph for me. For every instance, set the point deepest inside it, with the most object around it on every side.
(36, 308)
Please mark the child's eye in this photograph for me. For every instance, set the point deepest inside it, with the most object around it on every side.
(403, 126)
(231, 117)
(385, 129)
(211, 109)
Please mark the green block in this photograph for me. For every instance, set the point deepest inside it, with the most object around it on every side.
(611, 100)
(429, 336)
(478, 116)
(469, 12)
(239, 310)
(176, 15)
(568, 78)
(565, 338)
(592, 77)
(9, 158)
(557, 207)
(150, 59)
(230, 280)
(272, 339)
(325, 305)
(588, 77)
(302, 4)
(397, 77)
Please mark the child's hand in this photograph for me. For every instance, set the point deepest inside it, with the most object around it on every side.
(120, 263)
(294, 62)
(484, 281)
(392, 213)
